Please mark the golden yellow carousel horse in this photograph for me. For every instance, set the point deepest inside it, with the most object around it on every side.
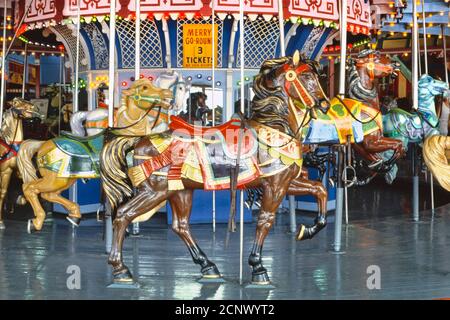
(10, 142)
(63, 160)
(436, 153)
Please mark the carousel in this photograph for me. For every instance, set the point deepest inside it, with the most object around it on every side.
(130, 125)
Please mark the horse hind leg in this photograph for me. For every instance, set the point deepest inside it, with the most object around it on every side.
(49, 183)
(181, 203)
(302, 186)
(74, 209)
(31, 191)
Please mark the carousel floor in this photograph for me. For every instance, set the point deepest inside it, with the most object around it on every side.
(414, 260)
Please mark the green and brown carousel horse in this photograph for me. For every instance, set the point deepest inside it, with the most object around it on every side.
(265, 150)
(358, 119)
(10, 143)
(63, 160)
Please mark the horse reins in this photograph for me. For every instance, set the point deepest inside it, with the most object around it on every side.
(353, 116)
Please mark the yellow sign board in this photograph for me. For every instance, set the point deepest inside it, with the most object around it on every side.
(198, 45)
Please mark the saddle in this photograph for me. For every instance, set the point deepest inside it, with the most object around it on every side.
(227, 135)
(74, 156)
(79, 146)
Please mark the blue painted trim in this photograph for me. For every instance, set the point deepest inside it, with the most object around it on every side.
(172, 26)
(162, 40)
(321, 42)
(90, 47)
(105, 38)
(118, 50)
(299, 39)
(226, 36)
(287, 27)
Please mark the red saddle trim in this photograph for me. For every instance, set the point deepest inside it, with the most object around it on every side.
(178, 123)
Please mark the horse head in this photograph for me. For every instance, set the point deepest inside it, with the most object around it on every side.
(175, 82)
(429, 88)
(432, 87)
(144, 100)
(286, 87)
(371, 64)
(23, 109)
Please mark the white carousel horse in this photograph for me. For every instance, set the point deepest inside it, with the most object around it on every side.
(97, 120)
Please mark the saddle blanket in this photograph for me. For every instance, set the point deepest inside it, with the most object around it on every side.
(74, 157)
(209, 157)
(336, 124)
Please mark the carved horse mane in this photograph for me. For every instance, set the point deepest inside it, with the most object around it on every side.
(269, 104)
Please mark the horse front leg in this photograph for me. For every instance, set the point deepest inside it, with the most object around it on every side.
(302, 186)
(274, 191)
(143, 202)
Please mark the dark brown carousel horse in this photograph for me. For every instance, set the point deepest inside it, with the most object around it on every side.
(171, 165)
(364, 72)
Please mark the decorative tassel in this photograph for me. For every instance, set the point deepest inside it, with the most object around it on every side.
(136, 175)
(175, 185)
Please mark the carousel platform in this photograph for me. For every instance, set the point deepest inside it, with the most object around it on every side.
(413, 258)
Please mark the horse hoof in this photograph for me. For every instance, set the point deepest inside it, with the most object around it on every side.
(2, 225)
(21, 201)
(260, 279)
(301, 233)
(123, 276)
(74, 221)
(211, 272)
(30, 227)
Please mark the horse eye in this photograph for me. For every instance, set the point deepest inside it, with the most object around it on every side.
(144, 88)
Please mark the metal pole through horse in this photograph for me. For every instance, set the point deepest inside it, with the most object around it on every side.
(3, 81)
(25, 69)
(112, 54)
(341, 156)
(415, 94)
(425, 53)
(213, 100)
(137, 70)
(444, 44)
(292, 203)
(241, 209)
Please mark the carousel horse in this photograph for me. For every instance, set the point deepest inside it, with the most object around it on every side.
(63, 160)
(10, 142)
(265, 151)
(378, 152)
(436, 153)
(97, 120)
(417, 126)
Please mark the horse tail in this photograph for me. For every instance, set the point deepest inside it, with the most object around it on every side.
(113, 170)
(76, 123)
(435, 154)
(25, 159)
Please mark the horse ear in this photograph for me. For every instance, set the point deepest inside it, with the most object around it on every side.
(296, 58)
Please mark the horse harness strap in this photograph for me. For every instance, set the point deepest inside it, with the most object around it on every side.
(353, 116)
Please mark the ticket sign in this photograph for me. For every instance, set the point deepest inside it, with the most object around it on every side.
(198, 45)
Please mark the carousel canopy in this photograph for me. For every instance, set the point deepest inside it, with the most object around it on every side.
(47, 13)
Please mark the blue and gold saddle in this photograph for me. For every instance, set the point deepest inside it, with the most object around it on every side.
(74, 157)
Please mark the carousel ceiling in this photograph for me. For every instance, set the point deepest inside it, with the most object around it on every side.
(435, 13)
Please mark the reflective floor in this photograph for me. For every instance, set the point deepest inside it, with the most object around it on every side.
(413, 258)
